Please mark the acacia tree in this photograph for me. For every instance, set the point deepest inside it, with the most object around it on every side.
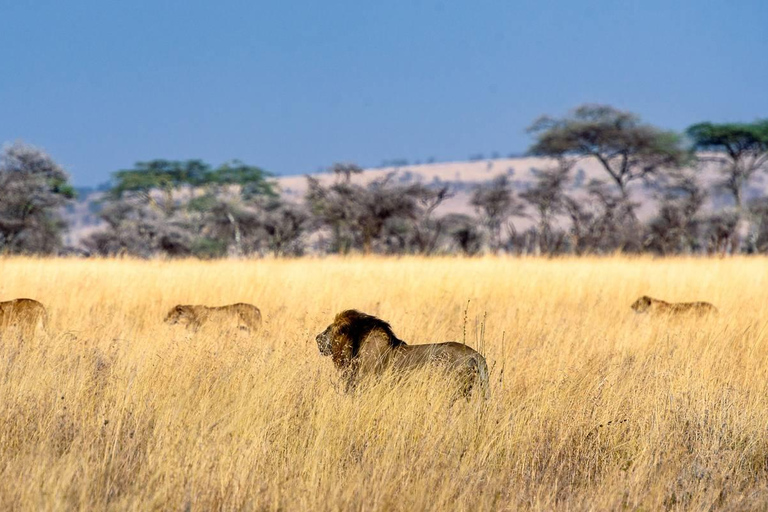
(627, 149)
(742, 150)
(362, 216)
(229, 208)
(547, 198)
(33, 188)
(334, 207)
(146, 179)
(147, 212)
(675, 229)
(495, 202)
(602, 223)
(380, 203)
(463, 232)
(759, 210)
(284, 225)
(345, 170)
(425, 230)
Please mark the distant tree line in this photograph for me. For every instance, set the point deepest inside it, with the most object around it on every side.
(191, 209)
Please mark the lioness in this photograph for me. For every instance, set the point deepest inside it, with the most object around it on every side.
(646, 304)
(361, 345)
(244, 316)
(23, 313)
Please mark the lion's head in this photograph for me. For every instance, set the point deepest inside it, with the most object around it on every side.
(179, 315)
(642, 304)
(342, 339)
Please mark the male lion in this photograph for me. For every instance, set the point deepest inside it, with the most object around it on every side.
(361, 345)
(26, 314)
(646, 304)
(244, 316)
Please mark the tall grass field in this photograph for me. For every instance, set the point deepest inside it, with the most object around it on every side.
(593, 407)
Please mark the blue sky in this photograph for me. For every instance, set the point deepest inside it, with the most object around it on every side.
(293, 86)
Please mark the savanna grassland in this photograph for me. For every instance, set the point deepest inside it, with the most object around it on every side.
(112, 409)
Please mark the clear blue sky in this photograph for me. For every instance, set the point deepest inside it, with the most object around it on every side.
(295, 85)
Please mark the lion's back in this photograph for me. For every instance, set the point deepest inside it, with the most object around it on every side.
(469, 364)
(684, 308)
(238, 315)
(248, 313)
(453, 348)
(694, 307)
(22, 312)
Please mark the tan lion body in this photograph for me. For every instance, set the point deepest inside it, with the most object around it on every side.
(23, 313)
(241, 315)
(362, 345)
(653, 306)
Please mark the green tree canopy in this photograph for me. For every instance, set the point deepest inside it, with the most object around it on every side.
(169, 175)
(626, 148)
(160, 174)
(744, 147)
(252, 179)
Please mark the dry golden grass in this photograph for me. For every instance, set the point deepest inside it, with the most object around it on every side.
(114, 410)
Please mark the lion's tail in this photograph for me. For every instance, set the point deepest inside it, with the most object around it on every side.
(483, 377)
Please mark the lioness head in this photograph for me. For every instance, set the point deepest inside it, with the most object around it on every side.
(179, 315)
(642, 304)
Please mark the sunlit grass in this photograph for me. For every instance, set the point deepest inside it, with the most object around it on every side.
(113, 409)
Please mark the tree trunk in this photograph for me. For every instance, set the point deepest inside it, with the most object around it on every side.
(238, 240)
(168, 202)
(743, 223)
(737, 194)
(630, 208)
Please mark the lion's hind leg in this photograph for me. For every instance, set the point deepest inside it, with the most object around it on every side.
(474, 378)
